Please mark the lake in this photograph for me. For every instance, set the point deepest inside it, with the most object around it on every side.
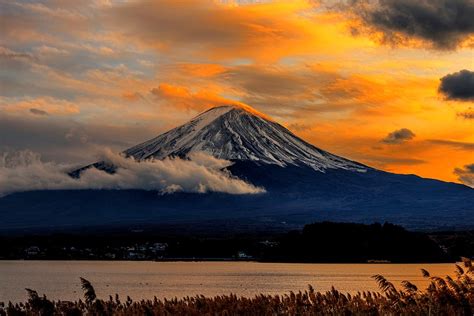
(144, 279)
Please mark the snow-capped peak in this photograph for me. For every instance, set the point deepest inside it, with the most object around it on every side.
(240, 133)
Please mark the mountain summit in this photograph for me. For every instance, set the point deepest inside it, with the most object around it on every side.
(240, 134)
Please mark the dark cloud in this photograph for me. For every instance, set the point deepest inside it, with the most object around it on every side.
(458, 145)
(458, 85)
(38, 111)
(445, 24)
(466, 174)
(398, 136)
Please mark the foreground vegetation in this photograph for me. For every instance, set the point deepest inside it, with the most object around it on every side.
(443, 296)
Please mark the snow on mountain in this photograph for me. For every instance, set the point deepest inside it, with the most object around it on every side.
(240, 133)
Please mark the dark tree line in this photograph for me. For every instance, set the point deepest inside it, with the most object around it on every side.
(318, 242)
(349, 242)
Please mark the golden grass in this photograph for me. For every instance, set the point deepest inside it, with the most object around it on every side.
(443, 296)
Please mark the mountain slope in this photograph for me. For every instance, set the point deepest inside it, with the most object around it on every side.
(234, 133)
(303, 184)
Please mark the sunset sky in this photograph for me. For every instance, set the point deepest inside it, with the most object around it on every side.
(387, 83)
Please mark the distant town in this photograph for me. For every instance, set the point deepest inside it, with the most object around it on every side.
(147, 251)
(318, 242)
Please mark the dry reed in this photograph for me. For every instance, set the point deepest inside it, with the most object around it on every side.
(443, 296)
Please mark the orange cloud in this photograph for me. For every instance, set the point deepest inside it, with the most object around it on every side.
(261, 31)
(201, 100)
(183, 98)
(378, 104)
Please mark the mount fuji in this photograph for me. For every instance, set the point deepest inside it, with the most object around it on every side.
(302, 184)
(238, 134)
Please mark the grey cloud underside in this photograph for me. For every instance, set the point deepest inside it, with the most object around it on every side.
(234, 134)
(443, 23)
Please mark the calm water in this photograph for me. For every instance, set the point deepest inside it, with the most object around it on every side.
(60, 279)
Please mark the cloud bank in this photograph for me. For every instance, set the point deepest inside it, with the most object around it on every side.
(201, 173)
(444, 24)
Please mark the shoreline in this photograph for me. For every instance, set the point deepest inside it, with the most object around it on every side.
(223, 260)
